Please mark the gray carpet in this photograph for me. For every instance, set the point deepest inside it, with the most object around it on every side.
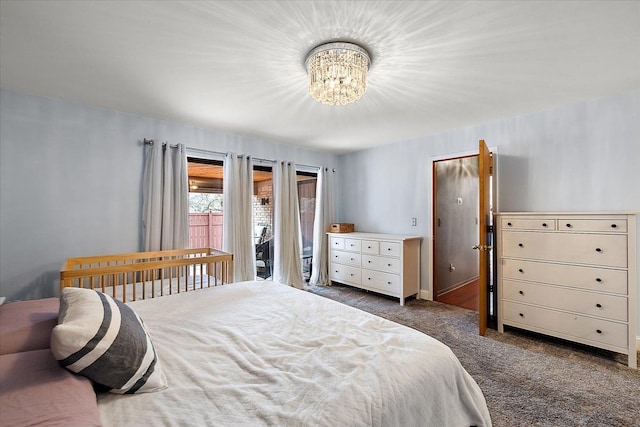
(527, 379)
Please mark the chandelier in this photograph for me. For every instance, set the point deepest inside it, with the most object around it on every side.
(337, 72)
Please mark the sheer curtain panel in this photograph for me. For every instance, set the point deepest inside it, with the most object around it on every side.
(287, 236)
(165, 208)
(321, 222)
(237, 228)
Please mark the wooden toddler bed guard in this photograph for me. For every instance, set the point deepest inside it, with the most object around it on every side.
(142, 275)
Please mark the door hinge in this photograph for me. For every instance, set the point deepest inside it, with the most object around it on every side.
(482, 247)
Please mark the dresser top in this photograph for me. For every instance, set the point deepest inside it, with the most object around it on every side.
(568, 214)
(373, 236)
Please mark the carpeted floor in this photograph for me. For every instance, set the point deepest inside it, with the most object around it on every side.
(527, 380)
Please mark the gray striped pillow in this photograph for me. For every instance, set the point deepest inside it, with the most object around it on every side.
(104, 340)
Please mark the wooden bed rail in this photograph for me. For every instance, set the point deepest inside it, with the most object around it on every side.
(142, 275)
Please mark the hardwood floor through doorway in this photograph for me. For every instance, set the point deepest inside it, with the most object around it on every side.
(465, 296)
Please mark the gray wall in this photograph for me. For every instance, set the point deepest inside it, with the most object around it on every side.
(70, 178)
(579, 157)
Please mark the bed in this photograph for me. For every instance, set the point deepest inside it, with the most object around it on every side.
(262, 353)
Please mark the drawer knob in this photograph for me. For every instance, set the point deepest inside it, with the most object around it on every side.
(599, 331)
(520, 270)
(521, 315)
(569, 225)
(388, 249)
(598, 250)
(368, 278)
(544, 224)
(599, 305)
(614, 225)
(351, 259)
(368, 247)
(521, 245)
(388, 283)
(369, 262)
(509, 224)
(521, 292)
(389, 265)
(599, 280)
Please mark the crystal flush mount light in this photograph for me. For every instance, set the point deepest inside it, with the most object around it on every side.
(337, 72)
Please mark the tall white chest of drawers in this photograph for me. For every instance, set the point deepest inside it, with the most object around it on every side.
(384, 263)
(572, 276)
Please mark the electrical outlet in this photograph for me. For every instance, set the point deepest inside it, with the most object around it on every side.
(414, 221)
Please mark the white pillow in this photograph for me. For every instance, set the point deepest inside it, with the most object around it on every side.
(104, 340)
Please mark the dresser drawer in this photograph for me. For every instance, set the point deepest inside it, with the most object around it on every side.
(582, 302)
(346, 258)
(336, 242)
(384, 282)
(595, 225)
(591, 278)
(537, 223)
(379, 263)
(345, 273)
(390, 249)
(352, 245)
(583, 329)
(371, 247)
(594, 249)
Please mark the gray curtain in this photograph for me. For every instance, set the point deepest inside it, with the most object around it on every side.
(237, 228)
(287, 234)
(322, 220)
(165, 209)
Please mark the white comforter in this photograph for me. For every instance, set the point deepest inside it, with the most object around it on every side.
(262, 353)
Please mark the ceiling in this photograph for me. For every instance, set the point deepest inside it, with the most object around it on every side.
(238, 66)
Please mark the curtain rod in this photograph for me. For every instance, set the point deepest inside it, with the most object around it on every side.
(146, 141)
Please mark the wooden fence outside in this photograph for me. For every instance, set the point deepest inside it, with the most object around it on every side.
(205, 230)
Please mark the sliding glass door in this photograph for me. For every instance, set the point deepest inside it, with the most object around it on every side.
(205, 203)
(206, 219)
(263, 220)
(307, 202)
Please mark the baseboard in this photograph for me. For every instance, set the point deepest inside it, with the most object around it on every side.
(426, 294)
(460, 285)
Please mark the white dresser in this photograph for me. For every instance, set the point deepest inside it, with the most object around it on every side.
(572, 276)
(383, 263)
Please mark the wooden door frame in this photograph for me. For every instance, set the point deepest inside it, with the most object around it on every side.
(429, 293)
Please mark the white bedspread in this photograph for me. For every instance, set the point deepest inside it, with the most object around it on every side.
(262, 353)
